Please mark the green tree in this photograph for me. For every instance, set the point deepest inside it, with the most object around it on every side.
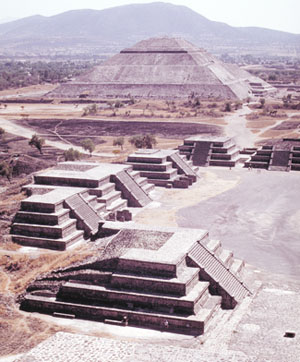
(143, 141)
(72, 155)
(2, 133)
(6, 170)
(92, 110)
(262, 102)
(37, 142)
(119, 141)
(88, 145)
(227, 107)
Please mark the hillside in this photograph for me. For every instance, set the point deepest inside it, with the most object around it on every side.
(107, 31)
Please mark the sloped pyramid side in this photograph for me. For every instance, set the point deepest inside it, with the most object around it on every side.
(162, 67)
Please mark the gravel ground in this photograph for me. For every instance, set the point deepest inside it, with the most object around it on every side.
(259, 218)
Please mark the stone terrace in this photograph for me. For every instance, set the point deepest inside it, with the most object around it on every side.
(178, 286)
(220, 151)
(163, 167)
(70, 201)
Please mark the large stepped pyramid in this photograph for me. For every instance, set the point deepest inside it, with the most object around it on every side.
(220, 151)
(166, 68)
(72, 200)
(163, 167)
(175, 280)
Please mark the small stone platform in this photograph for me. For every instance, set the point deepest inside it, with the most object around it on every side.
(276, 158)
(70, 201)
(220, 151)
(178, 285)
(163, 167)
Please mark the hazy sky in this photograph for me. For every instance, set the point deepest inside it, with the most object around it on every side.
(273, 14)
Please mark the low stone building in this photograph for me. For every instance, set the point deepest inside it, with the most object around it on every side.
(210, 151)
(159, 278)
(163, 167)
(71, 201)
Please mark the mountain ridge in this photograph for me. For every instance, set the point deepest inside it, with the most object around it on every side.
(121, 26)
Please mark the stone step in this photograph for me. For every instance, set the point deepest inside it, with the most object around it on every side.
(175, 286)
(46, 243)
(209, 309)
(189, 324)
(134, 174)
(148, 187)
(226, 256)
(43, 207)
(214, 245)
(109, 198)
(92, 200)
(237, 266)
(187, 304)
(63, 180)
(100, 208)
(257, 164)
(102, 190)
(222, 163)
(118, 204)
(56, 218)
(161, 167)
(141, 181)
(167, 175)
(45, 231)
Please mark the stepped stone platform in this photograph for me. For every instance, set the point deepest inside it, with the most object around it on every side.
(220, 151)
(159, 278)
(165, 68)
(276, 158)
(163, 167)
(70, 202)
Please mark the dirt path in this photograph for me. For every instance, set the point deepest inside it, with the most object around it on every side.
(13, 128)
(236, 128)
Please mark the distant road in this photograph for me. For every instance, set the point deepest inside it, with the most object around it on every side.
(26, 132)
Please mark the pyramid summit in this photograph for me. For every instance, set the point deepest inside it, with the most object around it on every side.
(165, 68)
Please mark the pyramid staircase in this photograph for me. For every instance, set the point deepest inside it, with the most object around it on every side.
(280, 160)
(133, 192)
(210, 152)
(275, 159)
(221, 270)
(165, 289)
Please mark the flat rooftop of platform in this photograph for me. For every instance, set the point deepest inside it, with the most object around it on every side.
(55, 196)
(83, 170)
(152, 153)
(199, 138)
(168, 245)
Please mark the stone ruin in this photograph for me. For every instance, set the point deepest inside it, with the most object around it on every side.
(164, 167)
(71, 201)
(167, 279)
(160, 278)
(167, 68)
(275, 158)
(220, 151)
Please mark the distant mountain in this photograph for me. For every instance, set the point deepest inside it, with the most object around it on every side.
(107, 31)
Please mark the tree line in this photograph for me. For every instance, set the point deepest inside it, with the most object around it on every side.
(15, 74)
